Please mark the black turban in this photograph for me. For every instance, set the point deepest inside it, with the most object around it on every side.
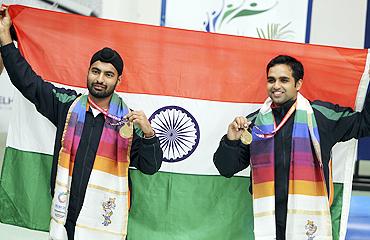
(109, 55)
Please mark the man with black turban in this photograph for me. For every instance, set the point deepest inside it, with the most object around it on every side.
(98, 137)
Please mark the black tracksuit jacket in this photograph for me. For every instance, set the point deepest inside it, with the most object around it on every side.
(335, 124)
(53, 103)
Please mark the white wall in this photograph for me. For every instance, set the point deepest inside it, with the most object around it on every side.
(339, 23)
(139, 11)
(334, 22)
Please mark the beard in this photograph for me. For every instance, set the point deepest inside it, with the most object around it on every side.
(107, 92)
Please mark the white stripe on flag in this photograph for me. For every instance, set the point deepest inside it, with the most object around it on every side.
(29, 131)
(351, 155)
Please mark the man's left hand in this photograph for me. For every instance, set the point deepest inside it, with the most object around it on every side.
(139, 118)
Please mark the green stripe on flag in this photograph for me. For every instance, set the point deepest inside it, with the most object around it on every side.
(25, 189)
(170, 206)
(164, 206)
(336, 209)
(177, 206)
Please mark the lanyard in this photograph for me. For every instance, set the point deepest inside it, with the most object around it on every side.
(286, 117)
(120, 121)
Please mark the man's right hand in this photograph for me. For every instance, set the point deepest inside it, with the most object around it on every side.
(237, 127)
(5, 24)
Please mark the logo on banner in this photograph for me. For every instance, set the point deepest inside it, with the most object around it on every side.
(5, 102)
(178, 132)
(232, 16)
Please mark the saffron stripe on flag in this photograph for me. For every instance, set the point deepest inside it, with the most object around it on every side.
(165, 61)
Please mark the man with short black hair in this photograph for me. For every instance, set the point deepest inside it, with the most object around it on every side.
(98, 137)
(288, 143)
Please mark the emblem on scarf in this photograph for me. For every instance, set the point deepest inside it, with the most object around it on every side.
(59, 206)
(62, 197)
(108, 207)
(310, 228)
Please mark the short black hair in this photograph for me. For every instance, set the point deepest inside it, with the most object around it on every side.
(294, 64)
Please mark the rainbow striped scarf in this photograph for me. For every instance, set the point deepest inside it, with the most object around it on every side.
(105, 209)
(308, 205)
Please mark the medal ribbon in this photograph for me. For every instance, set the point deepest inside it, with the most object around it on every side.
(286, 117)
(106, 113)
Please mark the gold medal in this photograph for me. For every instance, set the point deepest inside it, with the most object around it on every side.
(246, 137)
(126, 130)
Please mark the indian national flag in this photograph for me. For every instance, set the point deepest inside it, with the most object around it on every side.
(191, 85)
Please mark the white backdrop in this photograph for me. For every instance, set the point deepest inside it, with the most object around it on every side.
(271, 19)
(6, 99)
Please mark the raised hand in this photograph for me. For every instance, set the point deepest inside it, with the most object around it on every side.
(5, 24)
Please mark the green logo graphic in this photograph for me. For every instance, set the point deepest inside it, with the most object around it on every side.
(229, 12)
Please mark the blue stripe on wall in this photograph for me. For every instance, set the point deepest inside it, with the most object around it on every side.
(308, 21)
(163, 13)
(363, 152)
(367, 28)
(363, 149)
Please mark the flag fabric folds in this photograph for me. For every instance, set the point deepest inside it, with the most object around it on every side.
(191, 85)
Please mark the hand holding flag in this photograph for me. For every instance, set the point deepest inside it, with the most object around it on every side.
(5, 24)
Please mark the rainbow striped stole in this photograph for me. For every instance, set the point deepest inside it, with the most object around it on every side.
(105, 209)
(308, 206)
